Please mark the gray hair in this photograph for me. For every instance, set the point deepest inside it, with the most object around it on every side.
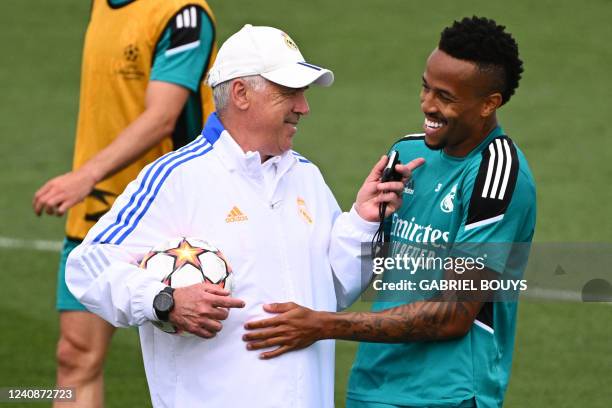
(221, 92)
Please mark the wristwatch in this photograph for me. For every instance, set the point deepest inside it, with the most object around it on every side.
(163, 303)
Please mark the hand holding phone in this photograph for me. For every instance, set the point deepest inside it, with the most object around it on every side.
(389, 173)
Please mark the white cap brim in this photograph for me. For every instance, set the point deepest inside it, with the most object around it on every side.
(300, 75)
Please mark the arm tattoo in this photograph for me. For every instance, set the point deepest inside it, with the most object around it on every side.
(420, 321)
(449, 315)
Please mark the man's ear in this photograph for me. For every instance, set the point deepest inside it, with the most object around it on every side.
(239, 94)
(491, 103)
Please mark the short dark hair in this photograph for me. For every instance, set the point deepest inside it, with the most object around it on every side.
(485, 43)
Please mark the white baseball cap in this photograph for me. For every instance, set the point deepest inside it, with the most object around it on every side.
(268, 52)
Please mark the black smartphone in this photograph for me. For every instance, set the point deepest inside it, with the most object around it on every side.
(389, 173)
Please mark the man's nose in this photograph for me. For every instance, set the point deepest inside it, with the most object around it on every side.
(427, 105)
(301, 104)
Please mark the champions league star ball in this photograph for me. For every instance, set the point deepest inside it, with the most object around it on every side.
(183, 262)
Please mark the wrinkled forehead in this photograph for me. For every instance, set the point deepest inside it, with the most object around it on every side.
(278, 89)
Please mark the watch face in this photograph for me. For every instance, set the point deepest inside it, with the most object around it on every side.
(163, 302)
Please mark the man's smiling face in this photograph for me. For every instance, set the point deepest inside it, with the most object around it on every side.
(453, 95)
(278, 111)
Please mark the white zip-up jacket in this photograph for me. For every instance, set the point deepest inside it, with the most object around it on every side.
(273, 222)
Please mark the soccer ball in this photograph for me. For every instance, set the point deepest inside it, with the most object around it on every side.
(183, 262)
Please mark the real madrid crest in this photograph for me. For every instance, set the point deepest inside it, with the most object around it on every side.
(447, 204)
(303, 211)
(290, 43)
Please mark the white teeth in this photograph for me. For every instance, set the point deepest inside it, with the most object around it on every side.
(432, 124)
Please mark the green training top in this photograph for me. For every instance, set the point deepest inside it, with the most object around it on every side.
(487, 196)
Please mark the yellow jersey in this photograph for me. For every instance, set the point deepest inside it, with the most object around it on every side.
(127, 44)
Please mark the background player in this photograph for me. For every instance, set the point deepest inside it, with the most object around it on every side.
(475, 186)
(141, 96)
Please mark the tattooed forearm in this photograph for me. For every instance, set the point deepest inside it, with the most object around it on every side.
(420, 321)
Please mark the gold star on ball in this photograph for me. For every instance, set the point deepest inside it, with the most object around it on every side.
(184, 253)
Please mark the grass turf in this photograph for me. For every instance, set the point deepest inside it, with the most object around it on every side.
(377, 50)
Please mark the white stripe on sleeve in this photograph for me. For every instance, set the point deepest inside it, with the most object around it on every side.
(186, 18)
(483, 222)
(498, 170)
(194, 19)
(485, 189)
(506, 171)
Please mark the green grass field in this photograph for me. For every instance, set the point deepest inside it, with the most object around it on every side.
(377, 49)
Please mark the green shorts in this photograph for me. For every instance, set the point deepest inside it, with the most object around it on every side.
(65, 300)
(351, 403)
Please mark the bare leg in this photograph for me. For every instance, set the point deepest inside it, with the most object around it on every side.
(81, 350)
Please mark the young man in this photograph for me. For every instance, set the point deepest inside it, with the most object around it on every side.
(142, 95)
(278, 247)
(475, 187)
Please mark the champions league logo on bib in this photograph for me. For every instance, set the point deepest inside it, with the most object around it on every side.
(446, 204)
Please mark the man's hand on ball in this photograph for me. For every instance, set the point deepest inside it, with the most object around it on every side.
(295, 327)
(200, 308)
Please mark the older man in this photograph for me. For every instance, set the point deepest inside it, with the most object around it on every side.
(278, 246)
